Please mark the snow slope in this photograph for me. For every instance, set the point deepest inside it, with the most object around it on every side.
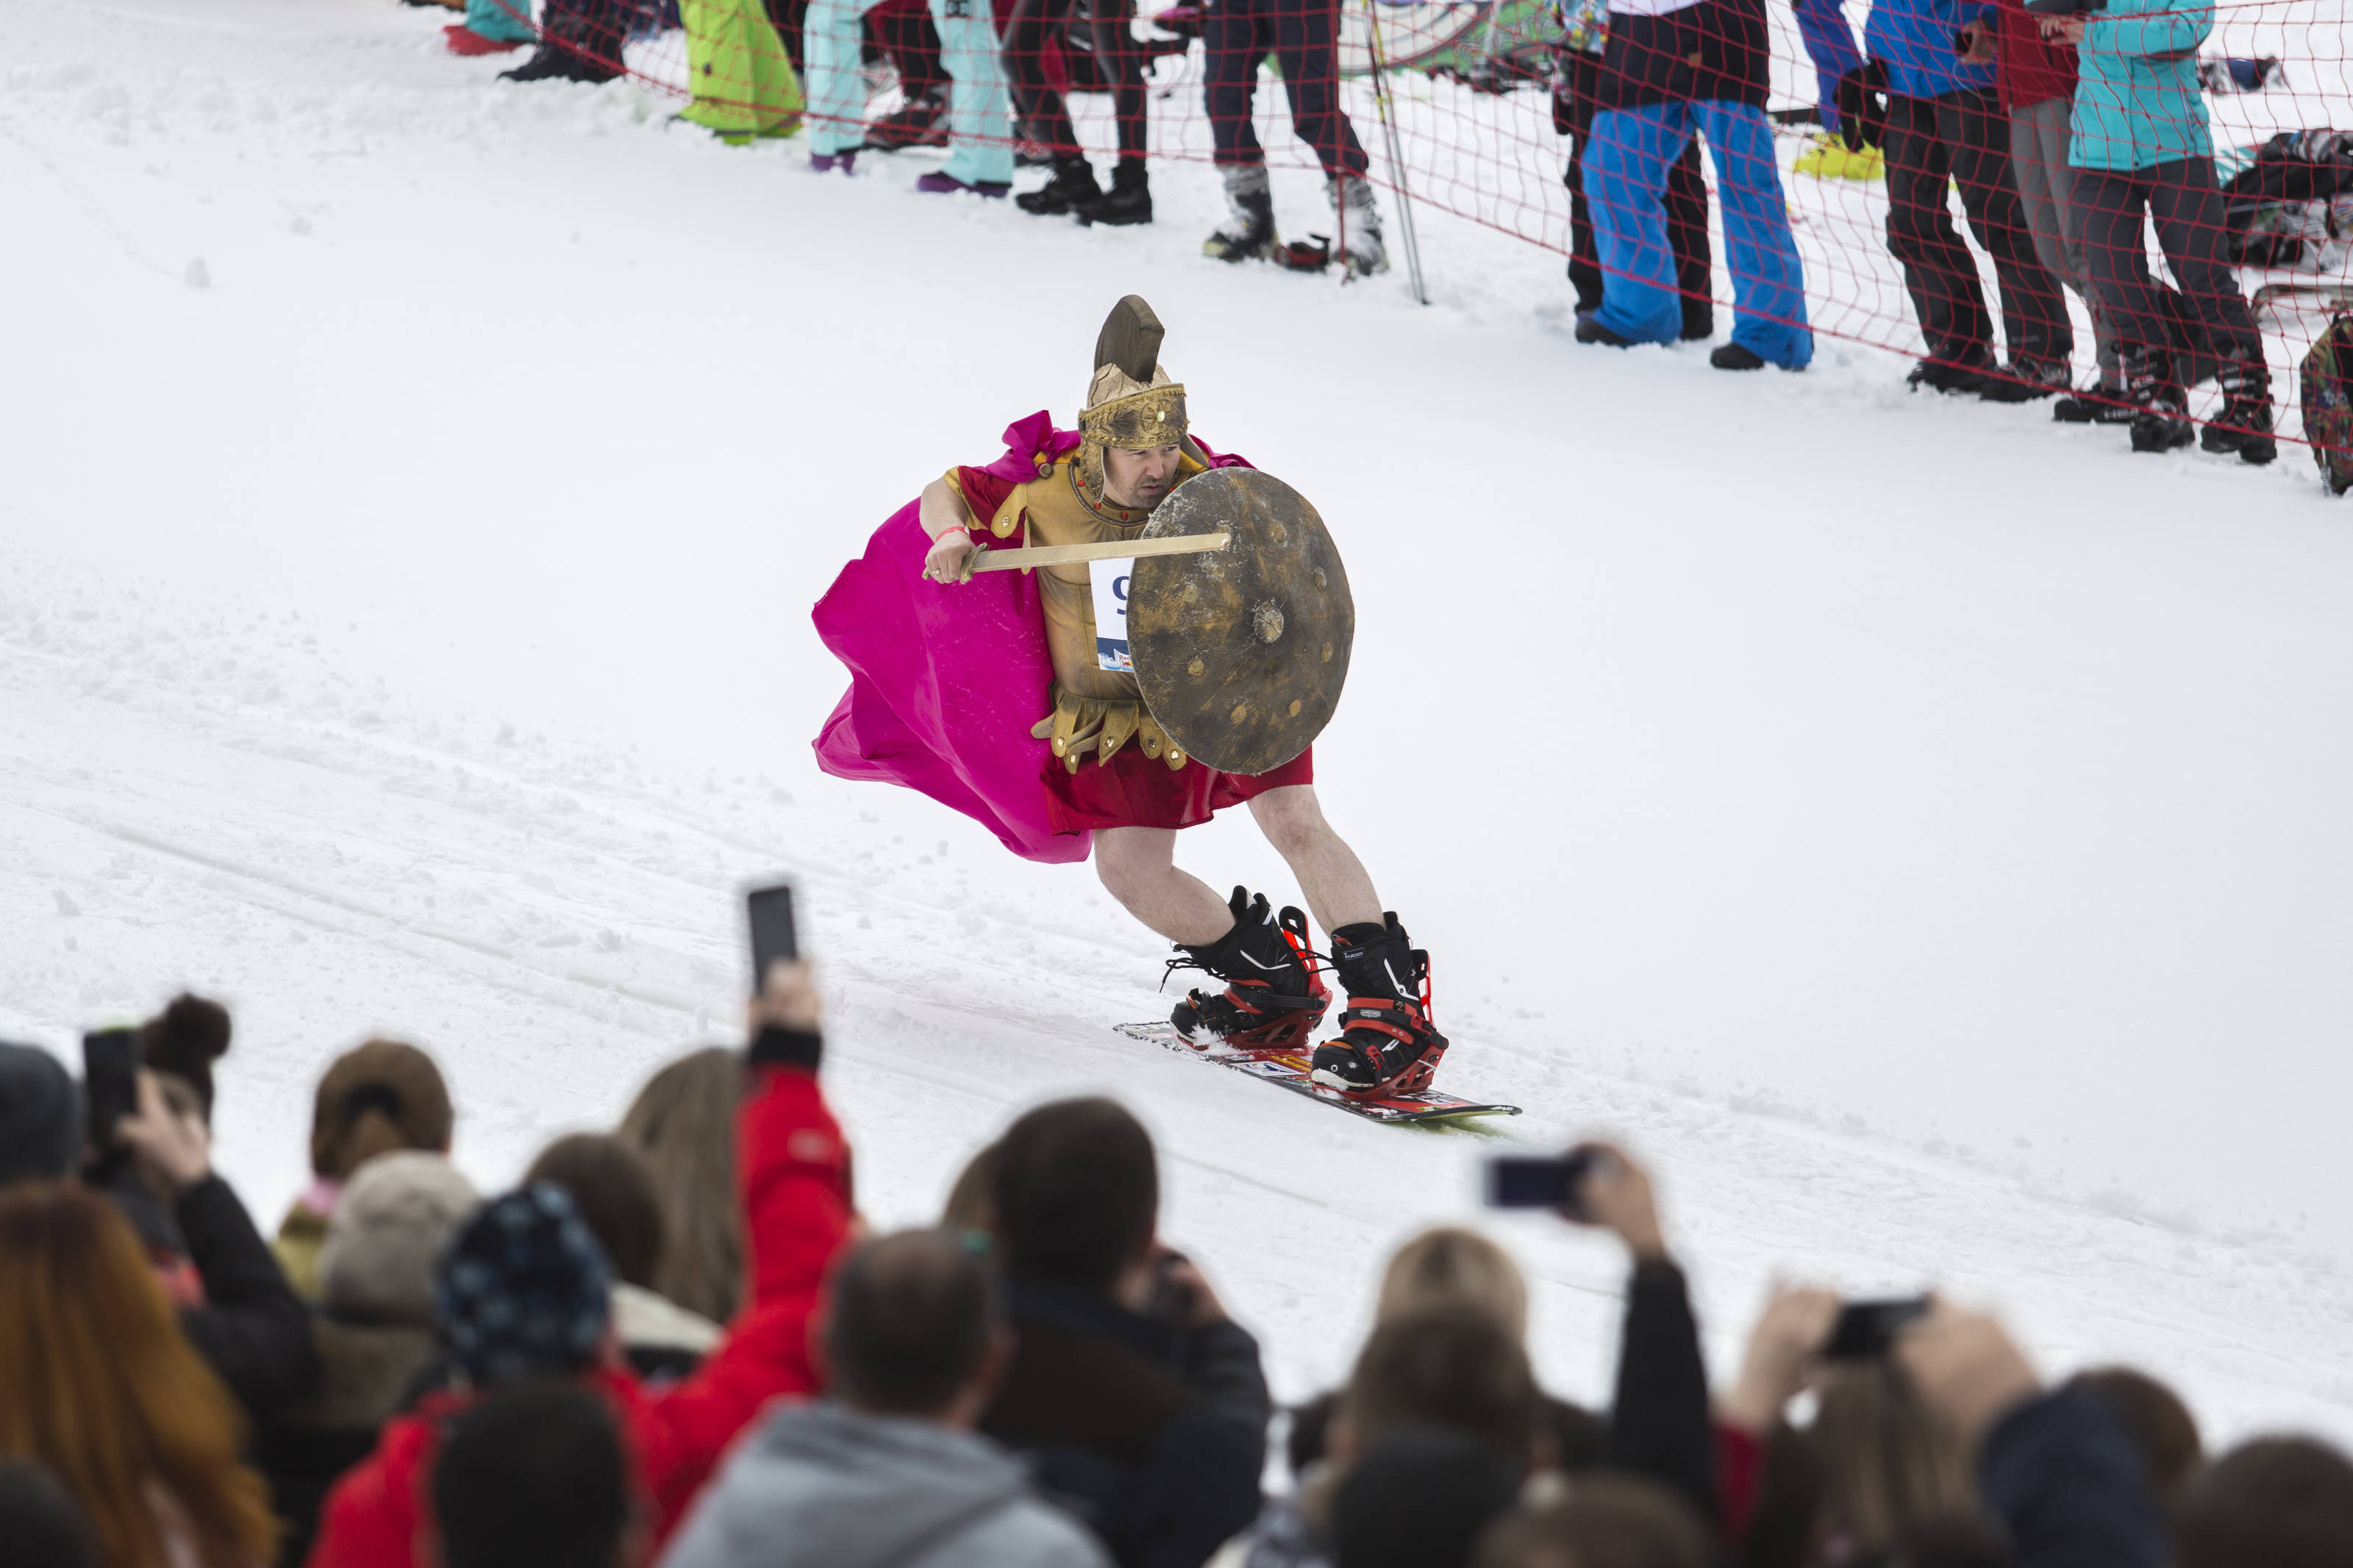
(1919, 828)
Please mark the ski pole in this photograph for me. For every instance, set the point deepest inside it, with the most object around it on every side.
(1396, 157)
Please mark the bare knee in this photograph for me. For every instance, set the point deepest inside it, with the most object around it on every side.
(1126, 868)
(1290, 819)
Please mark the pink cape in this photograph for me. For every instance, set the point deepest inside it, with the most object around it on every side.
(945, 684)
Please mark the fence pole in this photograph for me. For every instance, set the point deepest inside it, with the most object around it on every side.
(1396, 157)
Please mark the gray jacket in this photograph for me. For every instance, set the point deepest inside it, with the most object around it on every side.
(821, 1486)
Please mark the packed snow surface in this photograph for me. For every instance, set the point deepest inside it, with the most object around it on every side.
(1921, 830)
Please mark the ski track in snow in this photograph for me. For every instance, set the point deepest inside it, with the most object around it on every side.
(206, 784)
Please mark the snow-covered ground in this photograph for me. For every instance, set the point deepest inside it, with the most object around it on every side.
(1920, 829)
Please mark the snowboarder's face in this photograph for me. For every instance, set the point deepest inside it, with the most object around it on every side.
(1139, 479)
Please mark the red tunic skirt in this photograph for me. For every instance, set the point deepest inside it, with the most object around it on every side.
(1136, 791)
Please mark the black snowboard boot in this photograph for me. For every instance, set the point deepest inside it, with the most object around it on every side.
(1386, 1044)
(1273, 998)
(2160, 419)
(572, 47)
(920, 121)
(1073, 182)
(1129, 201)
(2244, 425)
(1248, 232)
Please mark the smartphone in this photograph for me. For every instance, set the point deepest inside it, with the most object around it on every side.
(109, 1081)
(1173, 1300)
(1529, 1181)
(769, 913)
(1865, 1329)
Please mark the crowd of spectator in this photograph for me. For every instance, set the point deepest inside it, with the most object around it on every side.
(677, 1345)
(2067, 128)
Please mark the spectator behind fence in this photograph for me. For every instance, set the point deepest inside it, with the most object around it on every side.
(524, 1294)
(1603, 1521)
(1942, 127)
(1420, 1498)
(2141, 150)
(683, 1122)
(1675, 67)
(374, 1330)
(40, 1520)
(2161, 1425)
(979, 113)
(2274, 1502)
(105, 1392)
(743, 82)
(1304, 36)
(40, 1116)
(534, 1474)
(1139, 1403)
(579, 41)
(890, 1473)
(1118, 60)
(372, 1099)
(1585, 38)
(615, 1193)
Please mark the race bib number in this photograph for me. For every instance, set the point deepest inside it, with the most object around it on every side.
(1110, 579)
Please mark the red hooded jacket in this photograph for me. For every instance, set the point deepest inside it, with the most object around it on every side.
(793, 1172)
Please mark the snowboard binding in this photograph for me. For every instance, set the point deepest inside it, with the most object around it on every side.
(1273, 998)
(1387, 1044)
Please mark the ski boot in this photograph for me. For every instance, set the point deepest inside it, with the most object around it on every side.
(2024, 380)
(2244, 425)
(572, 47)
(1273, 998)
(920, 121)
(1073, 182)
(1249, 232)
(1129, 200)
(1386, 1044)
(2160, 419)
(1360, 249)
(2102, 403)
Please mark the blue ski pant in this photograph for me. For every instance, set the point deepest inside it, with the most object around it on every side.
(1626, 165)
(980, 111)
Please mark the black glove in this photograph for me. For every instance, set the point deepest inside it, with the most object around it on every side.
(1862, 102)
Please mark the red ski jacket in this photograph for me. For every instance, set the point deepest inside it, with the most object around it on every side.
(793, 1173)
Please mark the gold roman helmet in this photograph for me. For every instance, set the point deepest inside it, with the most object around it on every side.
(1131, 404)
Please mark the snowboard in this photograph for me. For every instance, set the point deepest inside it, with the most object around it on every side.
(1288, 1070)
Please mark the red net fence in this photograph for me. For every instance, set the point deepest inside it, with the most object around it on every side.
(2142, 200)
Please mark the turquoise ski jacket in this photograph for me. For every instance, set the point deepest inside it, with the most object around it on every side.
(2136, 98)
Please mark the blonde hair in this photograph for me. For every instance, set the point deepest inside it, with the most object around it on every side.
(1452, 1267)
(1887, 1464)
(683, 1122)
(106, 1393)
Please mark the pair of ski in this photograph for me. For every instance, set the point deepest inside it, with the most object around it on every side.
(1288, 1070)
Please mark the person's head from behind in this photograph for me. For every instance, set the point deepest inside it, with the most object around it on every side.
(386, 1236)
(913, 1327)
(972, 1200)
(534, 1474)
(1420, 1496)
(181, 1044)
(683, 1123)
(610, 1184)
(1603, 1521)
(373, 1100)
(1450, 1265)
(2161, 1425)
(40, 1116)
(525, 1291)
(1888, 1466)
(1449, 1366)
(1078, 1194)
(104, 1392)
(2273, 1502)
(41, 1522)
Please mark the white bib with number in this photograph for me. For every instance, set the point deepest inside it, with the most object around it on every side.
(1109, 579)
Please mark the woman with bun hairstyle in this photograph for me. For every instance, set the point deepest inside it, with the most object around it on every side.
(375, 1099)
(105, 1394)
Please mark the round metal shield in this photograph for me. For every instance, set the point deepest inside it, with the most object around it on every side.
(1241, 652)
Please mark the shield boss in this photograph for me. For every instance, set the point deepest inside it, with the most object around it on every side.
(1241, 652)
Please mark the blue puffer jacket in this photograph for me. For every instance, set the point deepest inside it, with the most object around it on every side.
(1913, 38)
(2136, 98)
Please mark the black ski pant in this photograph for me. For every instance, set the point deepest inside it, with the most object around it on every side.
(1304, 37)
(1117, 59)
(1964, 138)
(1685, 200)
(2181, 199)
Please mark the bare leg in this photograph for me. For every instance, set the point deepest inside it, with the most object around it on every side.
(1338, 891)
(1138, 868)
